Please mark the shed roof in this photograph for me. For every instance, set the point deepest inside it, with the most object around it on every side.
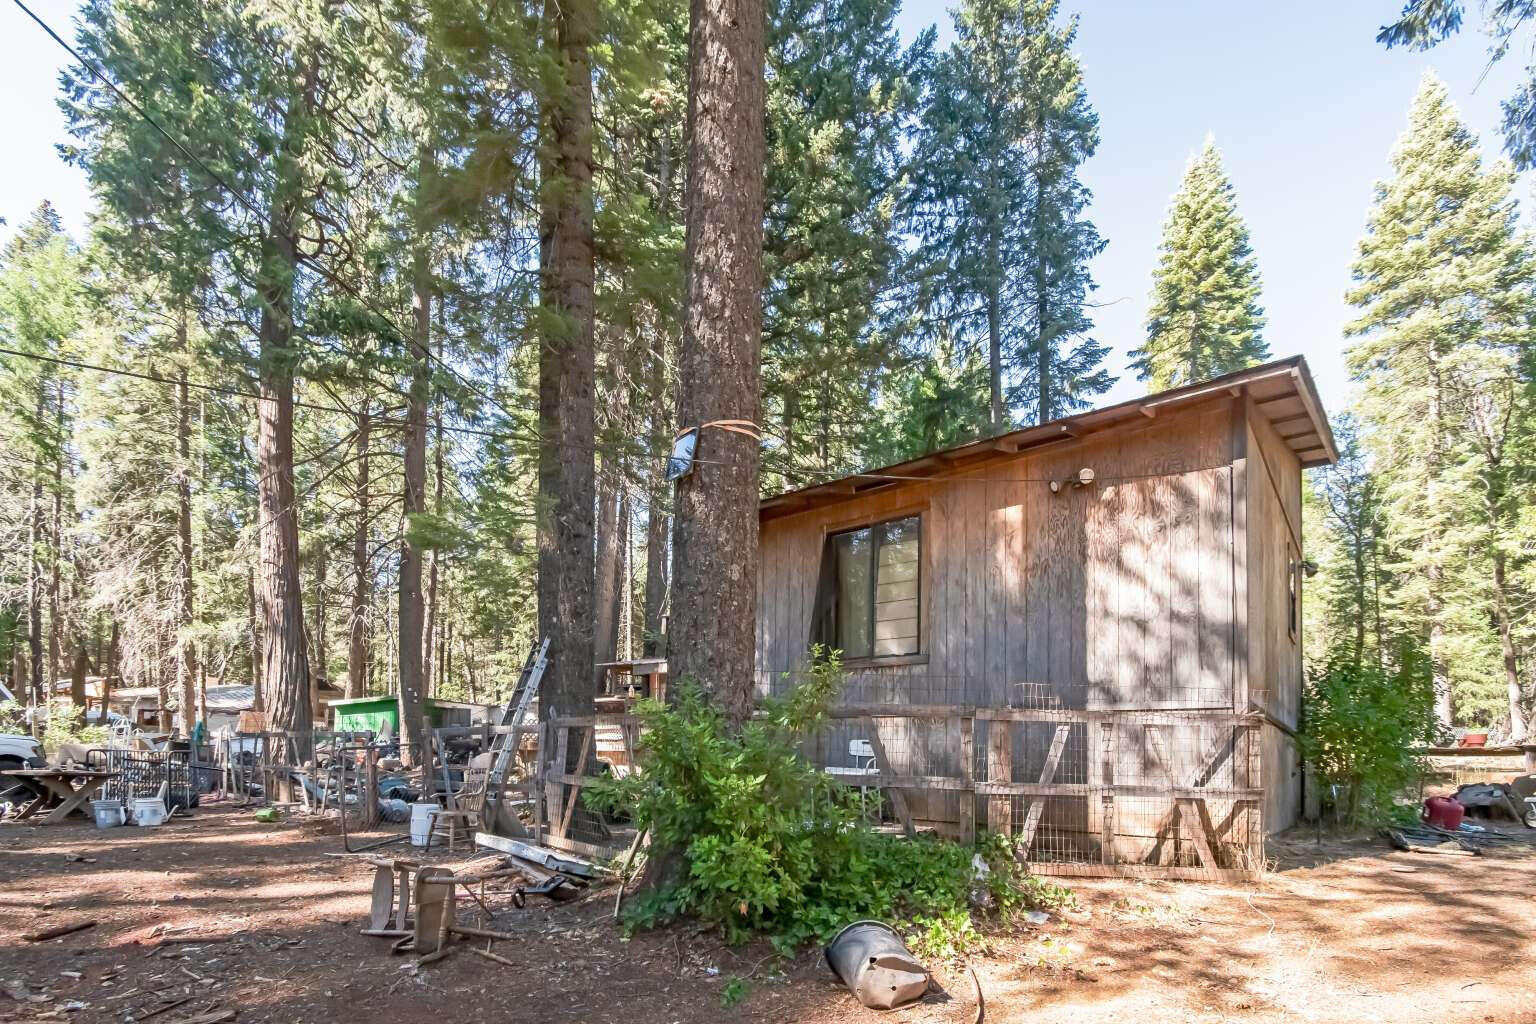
(1282, 391)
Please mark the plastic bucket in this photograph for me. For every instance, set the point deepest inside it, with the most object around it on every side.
(870, 958)
(421, 822)
(148, 811)
(109, 813)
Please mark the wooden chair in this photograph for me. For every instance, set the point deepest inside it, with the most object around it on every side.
(461, 818)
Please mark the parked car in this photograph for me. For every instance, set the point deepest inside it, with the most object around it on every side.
(17, 751)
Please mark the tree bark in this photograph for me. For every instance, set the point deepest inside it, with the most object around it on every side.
(715, 541)
(35, 572)
(1434, 606)
(431, 632)
(56, 539)
(258, 701)
(566, 366)
(109, 668)
(605, 640)
(995, 337)
(186, 662)
(412, 679)
(285, 662)
(319, 638)
(1517, 722)
(357, 649)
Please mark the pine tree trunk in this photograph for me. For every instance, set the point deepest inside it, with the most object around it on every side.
(995, 336)
(258, 699)
(109, 668)
(56, 537)
(186, 663)
(318, 636)
(1517, 723)
(77, 673)
(412, 614)
(433, 628)
(566, 366)
(715, 533)
(605, 638)
(35, 572)
(1439, 670)
(357, 648)
(1043, 347)
(285, 662)
(657, 527)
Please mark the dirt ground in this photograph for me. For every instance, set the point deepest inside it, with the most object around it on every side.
(1341, 931)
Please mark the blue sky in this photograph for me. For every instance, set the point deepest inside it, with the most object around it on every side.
(1303, 103)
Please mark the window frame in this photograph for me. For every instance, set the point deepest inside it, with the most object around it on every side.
(826, 597)
(1293, 592)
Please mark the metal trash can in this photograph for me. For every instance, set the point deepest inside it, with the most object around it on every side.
(870, 958)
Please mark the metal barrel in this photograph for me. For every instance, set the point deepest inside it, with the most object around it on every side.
(870, 958)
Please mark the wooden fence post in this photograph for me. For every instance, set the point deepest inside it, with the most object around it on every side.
(968, 780)
(1107, 779)
(1000, 769)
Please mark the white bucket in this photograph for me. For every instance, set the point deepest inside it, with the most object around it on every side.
(148, 810)
(421, 821)
(109, 813)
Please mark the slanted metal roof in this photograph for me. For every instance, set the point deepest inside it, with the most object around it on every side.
(1282, 392)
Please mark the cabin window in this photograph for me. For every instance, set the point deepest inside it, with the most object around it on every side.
(1293, 613)
(867, 605)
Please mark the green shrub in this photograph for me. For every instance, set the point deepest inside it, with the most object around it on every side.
(772, 845)
(1359, 726)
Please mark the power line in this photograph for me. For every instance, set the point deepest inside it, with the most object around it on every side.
(254, 209)
(300, 403)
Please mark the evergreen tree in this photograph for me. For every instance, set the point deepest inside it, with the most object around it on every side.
(998, 206)
(937, 401)
(841, 93)
(1444, 284)
(1205, 317)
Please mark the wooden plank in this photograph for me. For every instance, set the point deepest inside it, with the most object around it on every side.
(1240, 570)
(1170, 872)
(1000, 769)
(882, 760)
(1037, 807)
(968, 778)
(575, 794)
(1203, 833)
(1107, 804)
(940, 711)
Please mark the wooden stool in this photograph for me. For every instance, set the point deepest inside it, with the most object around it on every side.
(451, 825)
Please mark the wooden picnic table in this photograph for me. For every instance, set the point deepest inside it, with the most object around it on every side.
(72, 787)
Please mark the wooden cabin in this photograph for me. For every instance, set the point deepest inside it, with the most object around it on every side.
(1086, 633)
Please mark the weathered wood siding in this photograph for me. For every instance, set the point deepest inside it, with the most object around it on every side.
(1274, 651)
(1115, 595)
(1118, 595)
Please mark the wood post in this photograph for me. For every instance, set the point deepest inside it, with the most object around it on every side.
(968, 775)
(1000, 769)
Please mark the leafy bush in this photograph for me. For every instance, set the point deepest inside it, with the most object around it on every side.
(62, 725)
(774, 846)
(67, 725)
(1359, 726)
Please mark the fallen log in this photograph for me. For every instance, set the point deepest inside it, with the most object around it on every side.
(57, 931)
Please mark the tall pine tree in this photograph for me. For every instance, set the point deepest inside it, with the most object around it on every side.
(998, 207)
(1444, 283)
(1205, 317)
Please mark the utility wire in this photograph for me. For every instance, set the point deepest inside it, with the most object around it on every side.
(240, 197)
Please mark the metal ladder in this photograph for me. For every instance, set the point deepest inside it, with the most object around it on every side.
(504, 744)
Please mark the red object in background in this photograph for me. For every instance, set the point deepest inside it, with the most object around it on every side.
(1475, 739)
(1443, 812)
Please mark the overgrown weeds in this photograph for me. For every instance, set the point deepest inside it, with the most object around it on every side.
(773, 846)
